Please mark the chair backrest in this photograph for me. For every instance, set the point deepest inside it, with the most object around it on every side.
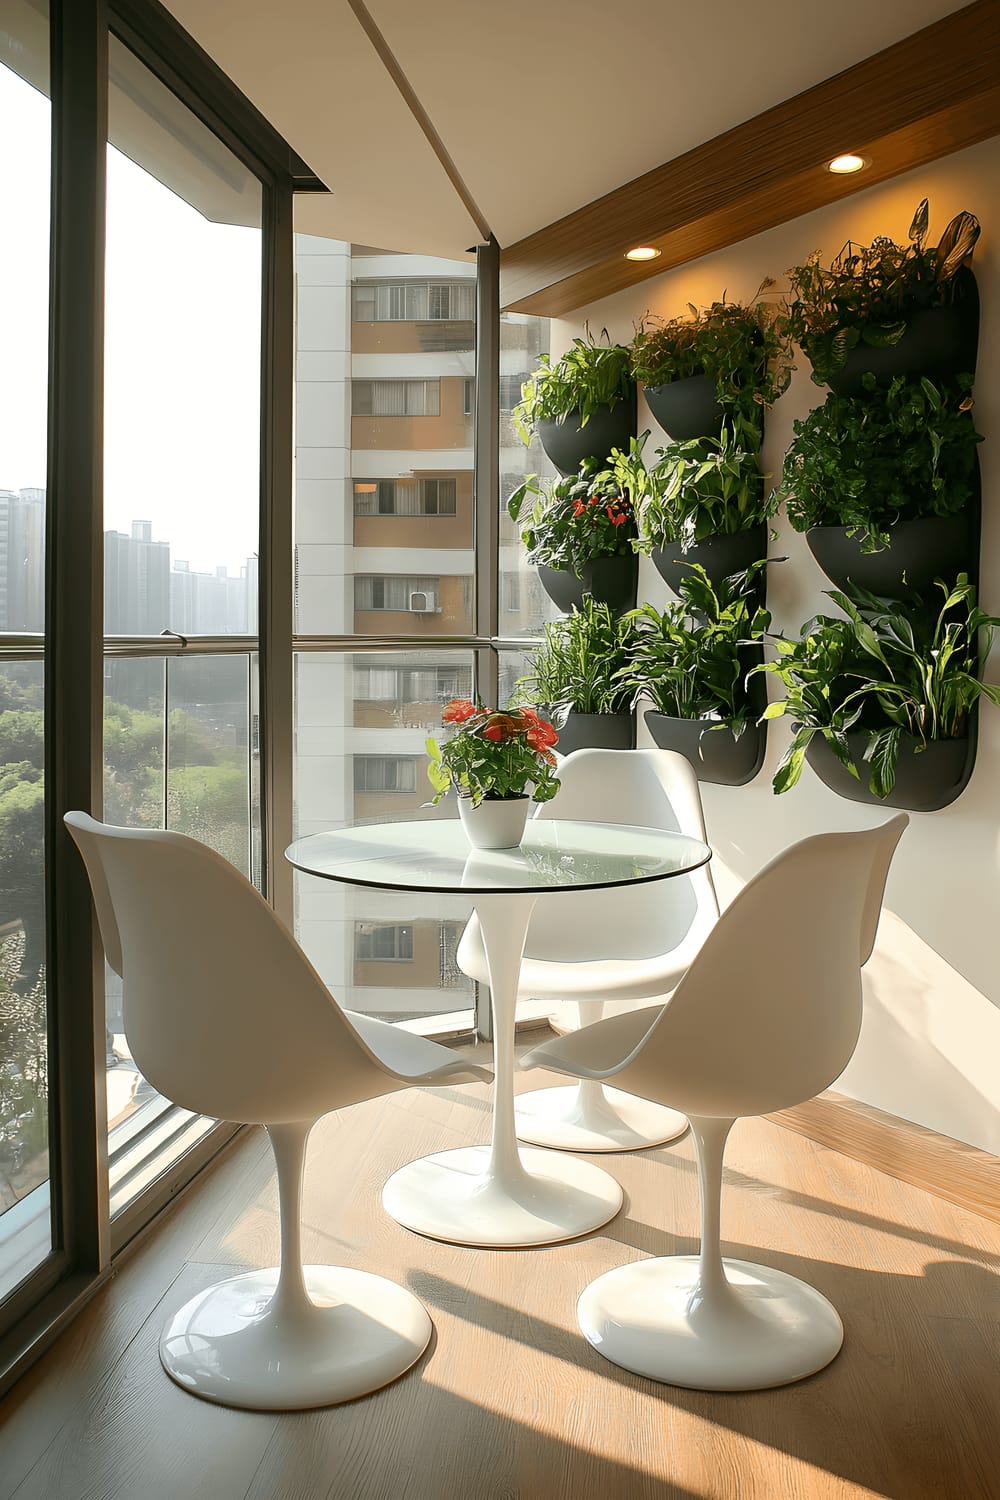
(769, 1012)
(646, 788)
(224, 1014)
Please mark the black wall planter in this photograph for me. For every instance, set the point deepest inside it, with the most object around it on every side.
(922, 550)
(567, 444)
(720, 556)
(686, 408)
(925, 782)
(597, 731)
(713, 752)
(939, 342)
(610, 580)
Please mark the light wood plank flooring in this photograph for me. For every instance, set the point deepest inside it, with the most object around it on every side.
(510, 1403)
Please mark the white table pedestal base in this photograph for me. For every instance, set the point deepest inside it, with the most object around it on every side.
(239, 1345)
(454, 1196)
(765, 1329)
(590, 1117)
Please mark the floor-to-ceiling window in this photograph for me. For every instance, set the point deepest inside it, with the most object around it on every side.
(181, 521)
(25, 128)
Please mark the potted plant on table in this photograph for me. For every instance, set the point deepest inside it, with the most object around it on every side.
(579, 533)
(724, 364)
(890, 309)
(492, 760)
(891, 468)
(691, 660)
(882, 701)
(575, 676)
(705, 503)
(581, 405)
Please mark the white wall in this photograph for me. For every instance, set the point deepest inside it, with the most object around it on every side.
(930, 1044)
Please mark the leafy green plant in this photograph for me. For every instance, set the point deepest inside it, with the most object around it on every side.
(890, 668)
(688, 658)
(700, 488)
(493, 754)
(868, 292)
(745, 350)
(887, 455)
(572, 521)
(576, 664)
(587, 376)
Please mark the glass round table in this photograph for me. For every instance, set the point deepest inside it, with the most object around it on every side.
(500, 1194)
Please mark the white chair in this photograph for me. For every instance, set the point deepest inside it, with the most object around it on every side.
(594, 947)
(767, 1016)
(225, 1015)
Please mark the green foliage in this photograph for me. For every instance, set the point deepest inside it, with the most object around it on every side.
(869, 292)
(587, 376)
(892, 668)
(890, 454)
(744, 350)
(687, 659)
(575, 520)
(493, 754)
(700, 488)
(577, 664)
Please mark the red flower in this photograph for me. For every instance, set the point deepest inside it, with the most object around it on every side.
(594, 500)
(496, 732)
(457, 711)
(541, 736)
(578, 507)
(618, 520)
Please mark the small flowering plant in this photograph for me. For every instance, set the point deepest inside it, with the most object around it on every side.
(574, 520)
(493, 754)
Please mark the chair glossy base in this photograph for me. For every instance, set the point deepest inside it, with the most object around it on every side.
(453, 1196)
(357, 1333)
(766, 1329)
(587, 1117)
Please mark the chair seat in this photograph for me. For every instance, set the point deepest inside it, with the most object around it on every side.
(616, 978)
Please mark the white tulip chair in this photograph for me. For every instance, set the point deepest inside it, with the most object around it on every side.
(767, 1016)
(594, 947)
(225, 1016)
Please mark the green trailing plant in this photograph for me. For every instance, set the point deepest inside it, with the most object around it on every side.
(588, 375)
(868, 292)
(890, 454)
(493, 755)
(689, 659)
(576, 664)
(891, 669)
(700, 488)
(744, 349)
(574, 520)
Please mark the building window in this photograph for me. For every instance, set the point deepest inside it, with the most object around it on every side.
(411, 685)
(405, 497)
(395, 398)
(468, 397)
(385, 773)
(510, 389)
(382, 944)
(420, 595)
(413, 301)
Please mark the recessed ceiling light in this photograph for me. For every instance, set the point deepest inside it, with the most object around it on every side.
(642, 252)
(849, 162)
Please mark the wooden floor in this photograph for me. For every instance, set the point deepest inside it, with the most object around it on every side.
(509, 1402)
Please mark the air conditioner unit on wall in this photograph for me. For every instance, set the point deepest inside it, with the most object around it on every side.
(423, 602)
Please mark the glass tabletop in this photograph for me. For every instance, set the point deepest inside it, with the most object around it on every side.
(555, 854)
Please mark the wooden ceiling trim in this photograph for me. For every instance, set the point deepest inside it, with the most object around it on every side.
(931, 94)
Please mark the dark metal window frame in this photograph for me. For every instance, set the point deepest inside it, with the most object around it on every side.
(84, 1239)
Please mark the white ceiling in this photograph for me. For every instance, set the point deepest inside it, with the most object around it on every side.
(543, 105)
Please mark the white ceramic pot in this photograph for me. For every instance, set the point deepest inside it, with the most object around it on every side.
(494, 824)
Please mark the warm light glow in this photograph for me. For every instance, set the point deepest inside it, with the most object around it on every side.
(642, 252)
(365, 489)
(847, 163)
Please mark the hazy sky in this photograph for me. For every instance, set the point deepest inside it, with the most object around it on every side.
(182, 348)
